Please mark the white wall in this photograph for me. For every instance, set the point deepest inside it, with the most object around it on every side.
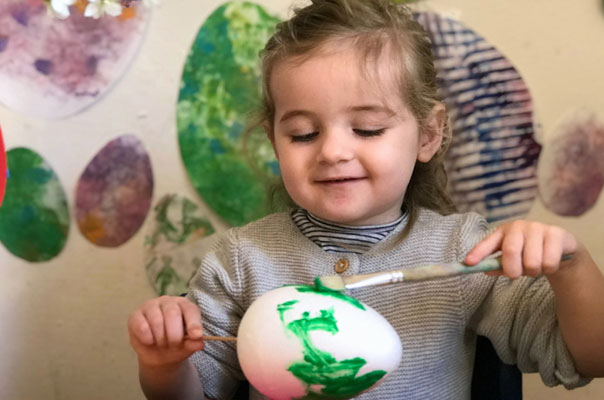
(63, 330)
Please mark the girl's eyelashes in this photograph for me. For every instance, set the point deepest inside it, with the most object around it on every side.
(307, 137)
(369, 132)
(365, 133)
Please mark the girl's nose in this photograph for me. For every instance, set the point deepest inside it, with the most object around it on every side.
(335, 147)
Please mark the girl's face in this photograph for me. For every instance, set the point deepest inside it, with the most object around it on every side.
(346, 144)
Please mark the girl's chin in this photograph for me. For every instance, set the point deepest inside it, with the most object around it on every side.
(352, 219)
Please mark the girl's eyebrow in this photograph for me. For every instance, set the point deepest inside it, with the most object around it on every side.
(373, 108)
(296, 113)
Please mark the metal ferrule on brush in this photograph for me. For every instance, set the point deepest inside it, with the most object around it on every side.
(375, 279)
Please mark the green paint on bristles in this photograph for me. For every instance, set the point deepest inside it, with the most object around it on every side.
(321, 287)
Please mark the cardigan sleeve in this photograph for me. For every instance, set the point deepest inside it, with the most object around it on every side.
(519, 318)
(216, 289)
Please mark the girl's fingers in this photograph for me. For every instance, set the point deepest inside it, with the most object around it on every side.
(155, 319)
(511, 253)
(527, 248)
(192, 346)
(192, 319)
(485, 247)
(532, 254)
(554, 248)
(139, 328)
(173, 323)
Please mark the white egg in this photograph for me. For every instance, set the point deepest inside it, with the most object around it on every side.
(294, 341)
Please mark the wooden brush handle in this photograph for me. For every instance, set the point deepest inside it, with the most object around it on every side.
(220, 338)
(215, 338)
(436, 271)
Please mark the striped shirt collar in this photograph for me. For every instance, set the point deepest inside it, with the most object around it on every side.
(338, 238)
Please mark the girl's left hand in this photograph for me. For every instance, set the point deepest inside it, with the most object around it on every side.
(527, 248)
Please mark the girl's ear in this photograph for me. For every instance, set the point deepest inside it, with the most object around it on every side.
(432, 135)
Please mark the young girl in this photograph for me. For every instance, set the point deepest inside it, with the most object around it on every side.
(352, 111)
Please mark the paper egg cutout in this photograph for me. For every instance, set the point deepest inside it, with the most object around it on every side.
(571, 170)
(113, 194)
(174, 242)
(492, 160)
(296, 341)
(52, 68)
(220, 84)
(34, 217)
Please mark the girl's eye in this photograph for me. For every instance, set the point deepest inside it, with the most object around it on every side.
(305, 137)
(369, 132)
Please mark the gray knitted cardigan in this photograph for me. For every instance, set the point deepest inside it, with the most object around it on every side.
(437, 321)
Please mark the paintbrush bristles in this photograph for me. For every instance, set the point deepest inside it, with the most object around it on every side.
(330, 282)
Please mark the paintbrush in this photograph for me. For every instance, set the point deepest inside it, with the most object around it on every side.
(215, 338)
(413, 274)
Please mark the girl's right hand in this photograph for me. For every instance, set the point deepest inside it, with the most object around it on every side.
(165, 331)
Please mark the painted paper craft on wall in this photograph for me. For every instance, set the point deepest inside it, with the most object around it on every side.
(571, 169)
(220, 86)
(51, 68)
(493, 156)
(113, 194)
(172, 244)
(34, 218)
(3, 169)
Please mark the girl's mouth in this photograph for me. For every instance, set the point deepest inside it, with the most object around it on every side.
(338, 180)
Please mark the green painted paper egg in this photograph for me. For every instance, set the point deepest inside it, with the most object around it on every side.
(220, 87)
(34, 218)
(174, 243)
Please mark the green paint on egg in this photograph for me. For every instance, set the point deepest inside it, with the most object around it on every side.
(324, 291)
(34, 218)
(283, 307)
(220, 86)
(319, 369)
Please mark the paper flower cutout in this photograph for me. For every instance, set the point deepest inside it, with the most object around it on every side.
(59, 8)
(96, 8)
(92, 8)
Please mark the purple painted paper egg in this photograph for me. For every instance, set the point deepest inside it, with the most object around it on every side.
(52, 68)
(113, 194)
(571, 170)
